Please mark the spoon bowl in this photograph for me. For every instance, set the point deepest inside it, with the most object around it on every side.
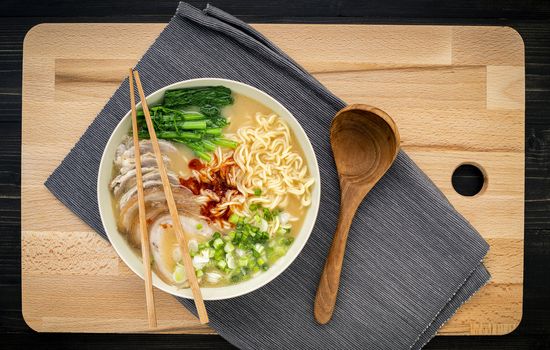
(365, 142)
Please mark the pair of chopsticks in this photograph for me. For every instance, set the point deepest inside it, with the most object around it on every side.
(182, 240)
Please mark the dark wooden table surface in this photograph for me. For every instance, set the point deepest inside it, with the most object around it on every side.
(530, 18)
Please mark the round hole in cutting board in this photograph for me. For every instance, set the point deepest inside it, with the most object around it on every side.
(469, 179)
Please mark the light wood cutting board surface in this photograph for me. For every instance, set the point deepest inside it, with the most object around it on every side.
(456, 93)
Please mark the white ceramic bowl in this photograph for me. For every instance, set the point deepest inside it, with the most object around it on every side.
(216, 293)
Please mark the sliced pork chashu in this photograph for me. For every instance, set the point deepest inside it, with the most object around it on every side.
(155, 206)
(163, 243)
(165, 249)
(125, 150)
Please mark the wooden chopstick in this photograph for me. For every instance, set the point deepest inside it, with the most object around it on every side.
(146, 255)
(182, 240)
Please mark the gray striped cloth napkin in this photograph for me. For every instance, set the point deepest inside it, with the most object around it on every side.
(411, 259)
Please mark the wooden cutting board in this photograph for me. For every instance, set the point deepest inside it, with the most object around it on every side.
(457, 94)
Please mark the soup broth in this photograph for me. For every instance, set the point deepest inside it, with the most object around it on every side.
(241, 203)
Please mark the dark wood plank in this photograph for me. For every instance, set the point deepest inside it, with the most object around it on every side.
(114, 341)
(530, 18)
(288, 8)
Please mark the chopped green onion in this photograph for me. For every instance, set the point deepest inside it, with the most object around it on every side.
(221, 264)
(229, 247)
(247, 249)
(234, 219)
(199, 226)
(211, 253)
(219, 255)
(257, 192)
(251, 263)
(243, 261)
(267, 215)
(230, 261)
(218, 242)
(179, 274)
(259, 248)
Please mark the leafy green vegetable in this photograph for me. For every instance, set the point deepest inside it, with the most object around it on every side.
(211, 96)
(225, 143)
(201, 130)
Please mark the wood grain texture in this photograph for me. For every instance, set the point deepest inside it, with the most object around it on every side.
(144, 232)
(451, 105)
(365, 142)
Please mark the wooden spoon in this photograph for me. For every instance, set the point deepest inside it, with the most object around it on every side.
(365, 142)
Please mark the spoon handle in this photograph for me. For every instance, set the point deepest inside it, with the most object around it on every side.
(330, 278)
